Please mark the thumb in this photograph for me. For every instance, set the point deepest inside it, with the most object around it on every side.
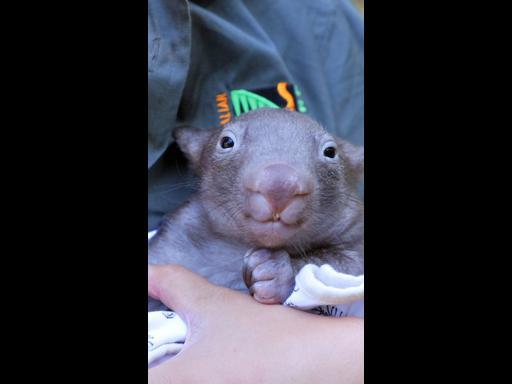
(179, 288)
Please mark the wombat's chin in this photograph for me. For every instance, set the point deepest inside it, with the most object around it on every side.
(271, 234)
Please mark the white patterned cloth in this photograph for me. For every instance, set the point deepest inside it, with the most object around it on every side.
(324, 291)
(319, 290)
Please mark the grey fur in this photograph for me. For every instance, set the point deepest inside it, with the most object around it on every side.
(212, 235)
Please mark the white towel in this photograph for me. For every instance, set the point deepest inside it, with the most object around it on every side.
(319, 290)
(324, 291)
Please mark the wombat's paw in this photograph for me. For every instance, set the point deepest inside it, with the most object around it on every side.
(268, 275)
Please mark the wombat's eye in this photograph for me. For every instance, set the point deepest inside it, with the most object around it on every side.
(330, 152)
(227, 142)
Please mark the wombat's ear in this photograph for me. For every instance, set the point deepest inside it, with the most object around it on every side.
(354, 157)
(191, 142)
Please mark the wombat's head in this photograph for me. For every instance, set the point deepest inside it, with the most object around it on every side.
(272, 177)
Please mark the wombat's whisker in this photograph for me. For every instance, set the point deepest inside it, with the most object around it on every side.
(176, 186)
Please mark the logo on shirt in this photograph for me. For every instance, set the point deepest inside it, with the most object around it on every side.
(233, 103)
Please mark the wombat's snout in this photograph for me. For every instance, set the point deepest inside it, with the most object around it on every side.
(277, 192)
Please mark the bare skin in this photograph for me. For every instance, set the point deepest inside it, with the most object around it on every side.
(234, 339)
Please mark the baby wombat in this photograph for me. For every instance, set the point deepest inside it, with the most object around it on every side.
(276, 192)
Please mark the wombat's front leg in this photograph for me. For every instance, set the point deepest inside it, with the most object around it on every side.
(156, 305)
(349, 261)
(268, 275)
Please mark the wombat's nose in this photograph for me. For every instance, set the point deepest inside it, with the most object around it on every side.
(280, 184)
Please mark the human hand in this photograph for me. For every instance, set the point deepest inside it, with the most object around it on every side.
(233, 338)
